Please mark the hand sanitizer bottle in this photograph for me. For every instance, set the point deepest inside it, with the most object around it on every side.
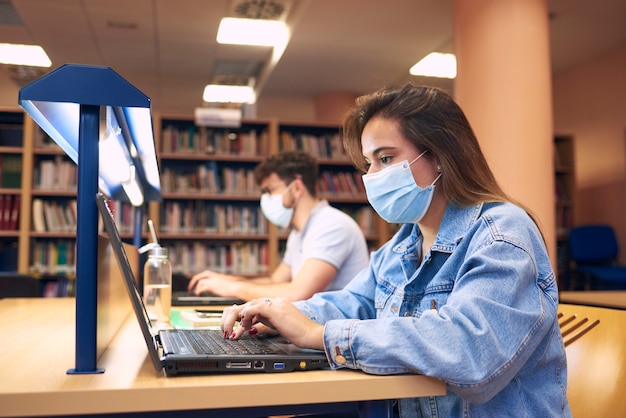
(157, 289)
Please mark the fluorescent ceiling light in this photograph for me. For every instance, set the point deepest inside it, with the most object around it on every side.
(32, 55)
(259, 32)
(436, 64)
(228, 94)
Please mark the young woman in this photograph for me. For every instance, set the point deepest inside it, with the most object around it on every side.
(463, 292)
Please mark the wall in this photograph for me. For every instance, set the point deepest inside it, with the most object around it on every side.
(590, 105)
(8, 91)
(296, 108)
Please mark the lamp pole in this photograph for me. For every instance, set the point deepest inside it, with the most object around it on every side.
(87, 242)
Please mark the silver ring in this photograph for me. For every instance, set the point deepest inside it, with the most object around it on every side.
(268, 302)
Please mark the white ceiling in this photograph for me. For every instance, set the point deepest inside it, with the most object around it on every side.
(167, 48)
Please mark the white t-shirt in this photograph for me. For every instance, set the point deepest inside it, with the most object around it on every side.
(332, 236)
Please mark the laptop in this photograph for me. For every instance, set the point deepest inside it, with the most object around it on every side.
(184, 298)
(204, 351)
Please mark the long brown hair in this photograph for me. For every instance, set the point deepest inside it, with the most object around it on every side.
(433, 121)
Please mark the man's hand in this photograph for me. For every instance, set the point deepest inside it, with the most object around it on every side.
(211, 282)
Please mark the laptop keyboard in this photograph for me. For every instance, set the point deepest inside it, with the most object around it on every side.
(213, 342)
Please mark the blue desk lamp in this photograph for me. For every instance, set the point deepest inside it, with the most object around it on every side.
(104, 124)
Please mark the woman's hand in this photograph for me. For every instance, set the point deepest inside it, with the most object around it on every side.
(261, 316)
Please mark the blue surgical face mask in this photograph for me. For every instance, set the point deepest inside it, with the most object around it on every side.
(273, 209)
(396, 197)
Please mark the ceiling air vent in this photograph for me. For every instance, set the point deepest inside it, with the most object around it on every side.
(23, 75)
(261, 9)
(8, 14)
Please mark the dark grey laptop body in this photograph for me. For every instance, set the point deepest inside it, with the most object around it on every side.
(180, 352)
(183, 298)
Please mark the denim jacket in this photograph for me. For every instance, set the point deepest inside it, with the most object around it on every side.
(479, 313)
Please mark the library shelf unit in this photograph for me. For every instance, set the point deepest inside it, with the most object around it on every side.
(11, 163)
(191, 218)
(565, 186)
(230, 156)
(210, 214)
(207, 175)
(340, 182)
(220, 218)
(43, 242)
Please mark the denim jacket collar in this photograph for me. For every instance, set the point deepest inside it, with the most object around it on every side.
(455, 223)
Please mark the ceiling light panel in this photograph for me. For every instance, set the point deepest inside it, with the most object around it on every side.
(436, 64)
(214, 93)
(16, 54)
(252, 32)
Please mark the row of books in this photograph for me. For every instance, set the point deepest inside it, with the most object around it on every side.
(200, 139)
(341, 183)
(208, 217)
(560, 190)
(54, 215)
(60, 215)
(11, 134)
(209, 177)
(328, 146)
(364, 217)
(8, 256)
(53, 257)
(43, 141)
(245, 258)
(57, 173)
(59, 287)
(564, 220)
(10, 171)
(55, 286)
(9, 212)
(124, 215)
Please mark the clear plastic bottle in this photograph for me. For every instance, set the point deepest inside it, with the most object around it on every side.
(157, 287)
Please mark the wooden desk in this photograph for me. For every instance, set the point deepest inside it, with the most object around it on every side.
(33, 379)
(603, 298)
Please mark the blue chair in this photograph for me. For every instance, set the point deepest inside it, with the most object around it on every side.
(593, 250)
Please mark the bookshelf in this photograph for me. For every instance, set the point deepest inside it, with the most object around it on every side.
(251, 245)
(53, 212)
(565, 183)
(210, 213)
(340, 182)
(41, 240)
(11, 167)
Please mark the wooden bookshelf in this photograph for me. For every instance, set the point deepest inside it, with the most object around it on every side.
(12, 167)
(43, 243)
(184, 151)
(564, 197)
(210, 212)
(233, 153)
(188, 154)
(340, 182)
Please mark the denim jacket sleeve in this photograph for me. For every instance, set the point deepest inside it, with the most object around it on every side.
(478, 312)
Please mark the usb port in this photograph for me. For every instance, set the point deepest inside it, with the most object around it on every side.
(279, 366)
